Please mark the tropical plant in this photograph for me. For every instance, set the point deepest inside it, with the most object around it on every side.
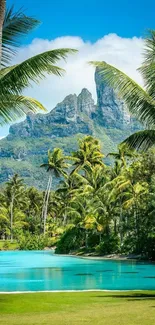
(89, 154)
(140, 101)
(93, 209)
(56, 166)
(14, 193)
(14, 79)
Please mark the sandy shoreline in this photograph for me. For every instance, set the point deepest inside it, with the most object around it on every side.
(108, 257)
(71, 291)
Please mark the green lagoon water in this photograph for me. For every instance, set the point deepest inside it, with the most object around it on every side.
(42, 270)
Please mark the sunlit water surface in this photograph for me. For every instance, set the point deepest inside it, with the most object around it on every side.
(42, 270)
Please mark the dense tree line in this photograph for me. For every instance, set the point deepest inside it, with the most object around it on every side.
(95, 208)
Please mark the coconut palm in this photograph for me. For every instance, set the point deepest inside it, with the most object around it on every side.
(133, 196)
(56, 166)
(89, 154)
(14, 79)
(14, 196)
(122, 155)
(140, 101)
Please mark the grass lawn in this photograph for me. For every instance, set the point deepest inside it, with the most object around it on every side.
(93, 308)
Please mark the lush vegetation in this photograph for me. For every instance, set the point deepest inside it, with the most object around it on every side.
(78, 308)
(95, 208)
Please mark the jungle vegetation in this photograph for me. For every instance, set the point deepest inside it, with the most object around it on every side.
(95, 208)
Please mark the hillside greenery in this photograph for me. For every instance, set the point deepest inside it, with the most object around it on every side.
(95, 208)
(23, 156)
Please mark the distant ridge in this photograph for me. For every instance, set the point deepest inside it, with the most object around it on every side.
(25, 148)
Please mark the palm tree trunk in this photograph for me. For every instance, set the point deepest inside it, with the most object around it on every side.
(136, 227)
(46, 201)
(64, 217)
(11, 217)
(86, 240)
(2, 14)
(120, 226)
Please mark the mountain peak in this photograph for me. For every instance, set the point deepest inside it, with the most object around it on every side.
(85, 102)
(111, 111)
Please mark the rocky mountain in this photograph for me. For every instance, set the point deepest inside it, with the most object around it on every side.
(25, 148)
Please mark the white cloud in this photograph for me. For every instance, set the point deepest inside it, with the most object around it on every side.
(124, 53)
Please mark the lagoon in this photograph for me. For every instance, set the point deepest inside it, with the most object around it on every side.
(44, 271)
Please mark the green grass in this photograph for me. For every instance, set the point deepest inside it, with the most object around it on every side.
(93, 308)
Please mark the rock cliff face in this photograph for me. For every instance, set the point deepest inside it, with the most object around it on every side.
(111, 112)
(25, 148)
(66, 119)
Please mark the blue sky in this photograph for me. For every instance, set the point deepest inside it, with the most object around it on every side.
(90, 19)
(101, 30)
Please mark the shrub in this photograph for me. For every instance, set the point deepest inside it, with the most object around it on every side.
(149, 249)
(71, 240)
(108, 245)
(52, 241)
(32, 242)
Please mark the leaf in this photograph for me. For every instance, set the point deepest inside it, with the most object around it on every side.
(141, 140)
(15, 26)
(13, 107)
(33, 69)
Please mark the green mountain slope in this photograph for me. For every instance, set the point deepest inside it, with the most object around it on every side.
(25, 148)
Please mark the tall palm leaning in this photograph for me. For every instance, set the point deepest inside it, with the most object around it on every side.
(14, 79)
(56, 166)
(140, 101)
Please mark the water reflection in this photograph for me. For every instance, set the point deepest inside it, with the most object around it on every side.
(38, 271)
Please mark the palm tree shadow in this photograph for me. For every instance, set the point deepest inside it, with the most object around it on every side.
(131, 297)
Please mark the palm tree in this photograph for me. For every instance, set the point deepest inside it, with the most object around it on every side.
(140, 101)
(32, 209)
(4, 222)
(14, 79)
(122, 154)
(14, 194)
(56, 166)
(89, 154)
(133, 197)
(69, 188)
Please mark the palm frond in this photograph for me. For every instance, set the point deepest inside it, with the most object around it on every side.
(142, 140)
(139, 103)
(14, 106)
(15, 26)
(148, 73)
(148, 67)
(33, 69)
(149, 52)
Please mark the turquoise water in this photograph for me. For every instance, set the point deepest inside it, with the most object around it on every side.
(39, 271)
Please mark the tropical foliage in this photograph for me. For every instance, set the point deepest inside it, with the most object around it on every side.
(14, 79)
(140, 101)
(95, 208)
